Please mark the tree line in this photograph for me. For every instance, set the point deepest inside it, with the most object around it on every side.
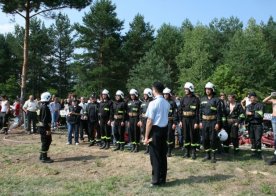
(95, 54)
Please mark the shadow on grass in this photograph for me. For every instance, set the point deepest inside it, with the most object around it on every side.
(199, 179)
(80, 158)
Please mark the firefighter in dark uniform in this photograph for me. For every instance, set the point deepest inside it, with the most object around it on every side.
(210, 117)
(118, 117)
(254, 117)
(133, 111)
(105, 107)
(44, 127)
(93, 124)
(235, 116)
(224, 123)
(143, 109)
(189, 120)
(172, 120)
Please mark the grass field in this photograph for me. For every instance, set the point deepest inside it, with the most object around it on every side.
(83, 170)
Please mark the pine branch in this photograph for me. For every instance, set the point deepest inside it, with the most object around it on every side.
(46, 10)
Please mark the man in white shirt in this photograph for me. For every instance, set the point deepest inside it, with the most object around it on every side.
(30, 107)
(5, 109)
(156, 130)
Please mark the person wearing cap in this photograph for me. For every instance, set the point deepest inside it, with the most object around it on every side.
(210, 117)
(254, 117)
(189, 120)
(44, 127)
(118, 117)
(272, 100)
(172, 116)
(143, 109)
(235, 116)
(105, 107)
(156, 134)
(92, 118)
(133, 111)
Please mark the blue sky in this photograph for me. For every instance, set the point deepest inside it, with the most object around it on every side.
(157, 12)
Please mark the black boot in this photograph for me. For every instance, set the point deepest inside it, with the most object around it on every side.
(272, 161)
(107, 146)
(187, 152)
(236, 150)
(133, 147)
(45, 159)
(213, 157)
(92, 143)
(147, 150)
(169, 154)
(226, 149)
(122, 147)
(136, 148)
(193, 153)
(118, 147)
(103, 145)
(207, 156)
(253, 154)
(259, 155)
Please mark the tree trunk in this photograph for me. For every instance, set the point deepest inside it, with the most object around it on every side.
(25, 51)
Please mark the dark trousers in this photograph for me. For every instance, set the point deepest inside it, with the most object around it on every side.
(119, 132)
(255, 134)
(46, 140)
(92, 128)
(158, 154)
(105, 130)
(83, 127)
(210, 136)
(4, 120)
(233, 135)
(170, 135)
(134, 131)
(191, 135)
(143, 128)
(31, 118)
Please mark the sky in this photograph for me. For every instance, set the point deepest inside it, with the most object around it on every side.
(174, 12)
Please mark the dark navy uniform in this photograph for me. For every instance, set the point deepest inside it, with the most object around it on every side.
(143, 118)
(255, 126)
(133, 111)
(210, 114)
(105, 107)
(172, 120)
(93, 124)
(189, 116)
(119, 116)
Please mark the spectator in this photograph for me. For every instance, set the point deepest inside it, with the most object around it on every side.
(83, 118)
(5, 109)
(54, 109)
(16, 114)
(30, 107)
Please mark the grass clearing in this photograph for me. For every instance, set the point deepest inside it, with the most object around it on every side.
(83, 170)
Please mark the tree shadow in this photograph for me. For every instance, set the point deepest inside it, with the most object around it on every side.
(199, 179)
(80, 158)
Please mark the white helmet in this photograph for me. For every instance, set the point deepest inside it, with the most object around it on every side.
(45, 97)
(120, 93)
(148, 92)
(190, 86)
(210, 85)
(133, 92)
(105, 92)
(223, 135)
(167, 91)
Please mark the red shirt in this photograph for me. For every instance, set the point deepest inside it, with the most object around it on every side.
(17, 109)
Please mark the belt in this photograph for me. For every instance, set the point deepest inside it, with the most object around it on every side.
(232, 120)
(118, 117)
(170, 118)
(132, 114)
(188, 114)
(209, 117)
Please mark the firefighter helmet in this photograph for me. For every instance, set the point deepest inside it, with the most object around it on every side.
(105, 92)
(45, 97)
(210, 85)
(223, 135)
(190, 86)
(167, 91)
(120, 93)
(148, 92)
(133, 92)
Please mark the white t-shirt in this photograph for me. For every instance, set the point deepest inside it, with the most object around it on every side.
(4, 106)
(31, 106)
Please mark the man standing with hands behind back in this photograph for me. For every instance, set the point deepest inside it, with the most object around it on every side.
(156, 130)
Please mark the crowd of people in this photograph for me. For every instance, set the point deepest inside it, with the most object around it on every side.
(210, 121)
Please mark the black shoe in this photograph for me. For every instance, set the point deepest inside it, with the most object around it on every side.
(133, 147)
(107, 146)
(236, 150)
(187, 153)
(147, 150)
(272, 161)
(103, 145)
(169, 154)
(213, 158)
(207, 157)
(45, 159)
(136, 149)
(226, 149)
(118, 147)
(122, 147)
(193, 153)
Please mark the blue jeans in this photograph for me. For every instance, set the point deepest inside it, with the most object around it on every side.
(73, 128)
(54, 116)
(273, 122)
